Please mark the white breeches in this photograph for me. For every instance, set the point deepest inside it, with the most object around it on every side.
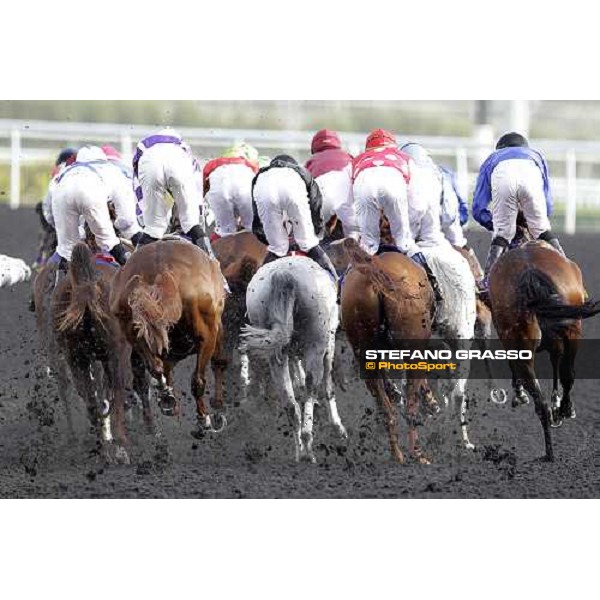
(517, 184)
(168, 168)
(383, 190)
(338, 199)
(280, 194)
(81, 194)
(230, 195)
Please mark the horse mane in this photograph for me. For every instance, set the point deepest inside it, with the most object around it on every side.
(86, 293)
(154, 309)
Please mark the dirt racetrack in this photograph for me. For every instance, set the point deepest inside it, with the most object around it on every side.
(254, 456)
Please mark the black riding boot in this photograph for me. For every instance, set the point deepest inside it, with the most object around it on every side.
(497, 249)
(552, 239)
(141, 239)
(200, 239)
(420, 259)
(61, 271)
(120, 254)
(320, 257)
(269, 257)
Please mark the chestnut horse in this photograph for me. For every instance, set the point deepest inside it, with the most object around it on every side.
(169, 299)
(240, 255)
(388, 298)
(538, 301)
(90, 340)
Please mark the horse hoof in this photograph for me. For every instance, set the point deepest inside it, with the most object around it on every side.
(168, 405)
(469, 446)
(218, 422)
(121, 456)
(498, 396)
(199, 433)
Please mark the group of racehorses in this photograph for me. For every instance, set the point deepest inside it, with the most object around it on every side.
(117, 331)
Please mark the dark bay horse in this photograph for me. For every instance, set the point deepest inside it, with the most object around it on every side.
(169, 300)
(538, 301)
(240, 255)
(89, 338)
(388, 296)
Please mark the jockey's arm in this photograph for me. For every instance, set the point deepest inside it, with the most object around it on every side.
(124, 200)
(47, 208)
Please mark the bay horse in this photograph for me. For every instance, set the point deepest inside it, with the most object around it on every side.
(387, 298)
(240, 256)
(169, 300)
(91, 342)
(538, 302)
(293, 318)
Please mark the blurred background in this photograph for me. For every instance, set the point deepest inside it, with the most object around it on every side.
(460, 134)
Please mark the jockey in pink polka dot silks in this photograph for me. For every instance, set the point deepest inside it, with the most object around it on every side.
(384, 183)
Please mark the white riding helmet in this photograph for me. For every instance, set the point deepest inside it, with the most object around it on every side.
(418, 154)
(170, 131)
(90, 153)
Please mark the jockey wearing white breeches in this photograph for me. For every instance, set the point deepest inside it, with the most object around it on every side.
(163, 163)
(513, 178)
(284, 192)
(228, 185)
(84, 190)
(332, 169)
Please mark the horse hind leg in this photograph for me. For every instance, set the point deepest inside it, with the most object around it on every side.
(280, 375)
(567, 379)
(459, 394)
(328, 392)
(526, 373)
(376, 388)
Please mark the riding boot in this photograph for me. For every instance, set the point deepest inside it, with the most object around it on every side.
(497, 249)
(320, 257)
(141, 238)
(120, 254)
(552, 239)
(420, 259)
(200, 239)
(269, 257)
(61, 271)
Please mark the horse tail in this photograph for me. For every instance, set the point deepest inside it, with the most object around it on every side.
(382, 283)
(86, 294)
(539, 295)
(154, 309)
(281, 308)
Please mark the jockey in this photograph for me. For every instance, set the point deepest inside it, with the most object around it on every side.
(65, 158)
(332, 169)
(164, 163)
(84, 189)
(384, 182)
(441, 182)
(228, 187)
(286, 191)
(513, 178)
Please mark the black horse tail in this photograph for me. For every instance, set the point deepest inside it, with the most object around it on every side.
(539, 295)
(86, 294)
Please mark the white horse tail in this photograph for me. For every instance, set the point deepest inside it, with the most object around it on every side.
(281, 307)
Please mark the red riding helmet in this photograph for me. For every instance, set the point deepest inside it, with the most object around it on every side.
(111, 153)
(379, 138)
(325, 139)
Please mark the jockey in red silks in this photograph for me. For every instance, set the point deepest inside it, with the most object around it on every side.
(228, 188)
(332, 169)
(383, 183)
